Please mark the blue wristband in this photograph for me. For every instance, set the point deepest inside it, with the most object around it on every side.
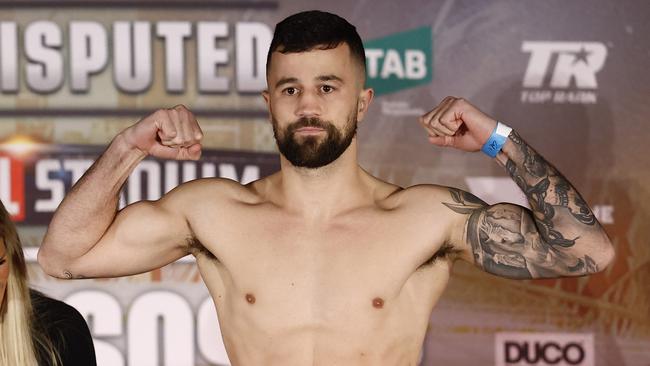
(496, 141)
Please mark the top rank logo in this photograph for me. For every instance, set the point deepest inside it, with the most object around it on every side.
(562, 72)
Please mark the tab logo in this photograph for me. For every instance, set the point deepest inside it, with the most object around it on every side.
(562, 72)
(12, 186)
(399, 61)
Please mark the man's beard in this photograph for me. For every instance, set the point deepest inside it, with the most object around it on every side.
(314, 151)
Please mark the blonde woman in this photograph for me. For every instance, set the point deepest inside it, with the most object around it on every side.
(35, 329)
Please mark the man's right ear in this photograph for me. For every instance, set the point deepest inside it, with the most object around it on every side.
(265, 95)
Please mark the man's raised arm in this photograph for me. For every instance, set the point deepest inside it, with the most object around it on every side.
(559, 237)
(88, 237)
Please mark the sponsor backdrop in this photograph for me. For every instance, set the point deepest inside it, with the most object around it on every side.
(571, 77)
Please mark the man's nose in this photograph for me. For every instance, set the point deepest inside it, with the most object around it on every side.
(309, 105)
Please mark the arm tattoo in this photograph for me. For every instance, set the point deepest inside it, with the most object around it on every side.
(464, 202)
(505, 241)
(510, 241)
(68, 275)
(546, 188)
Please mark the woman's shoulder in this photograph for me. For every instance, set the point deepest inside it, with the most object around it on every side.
(65, 328)
(49, 310)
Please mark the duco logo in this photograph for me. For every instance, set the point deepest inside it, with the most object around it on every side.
(555, 67)
(550, 353)
(12, 186)
(542, 349)
(399, 61)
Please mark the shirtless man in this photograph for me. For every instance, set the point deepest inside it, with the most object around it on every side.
(321, 263)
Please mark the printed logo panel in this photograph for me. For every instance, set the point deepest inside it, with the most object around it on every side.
(562, 72)
(12, 186)
(32, 187)
(399, 61)
(544, 349)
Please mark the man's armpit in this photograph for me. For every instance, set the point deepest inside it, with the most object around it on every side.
(196, 248)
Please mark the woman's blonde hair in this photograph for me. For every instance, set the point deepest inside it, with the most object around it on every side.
(20, 336)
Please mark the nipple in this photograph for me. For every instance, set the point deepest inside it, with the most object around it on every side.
(250, 299)
(378, 303)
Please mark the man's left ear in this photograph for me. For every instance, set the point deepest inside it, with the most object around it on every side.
(365, 98)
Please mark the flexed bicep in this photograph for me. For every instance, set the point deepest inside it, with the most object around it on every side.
(144, 236)
(504, 240)
(88, 237)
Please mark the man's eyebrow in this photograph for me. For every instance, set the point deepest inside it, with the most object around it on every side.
(330, 77)
(285, 81)
(288, 80)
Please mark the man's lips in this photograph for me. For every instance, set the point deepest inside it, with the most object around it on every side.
(310, 130)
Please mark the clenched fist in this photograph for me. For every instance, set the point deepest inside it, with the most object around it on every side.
(457, 123)
(168, 134)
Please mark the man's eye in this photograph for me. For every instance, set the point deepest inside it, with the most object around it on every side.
(326, 89)
(290, 91)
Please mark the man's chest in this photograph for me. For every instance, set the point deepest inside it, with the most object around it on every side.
(369, 251)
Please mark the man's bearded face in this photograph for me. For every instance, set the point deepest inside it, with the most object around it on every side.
(314, 150)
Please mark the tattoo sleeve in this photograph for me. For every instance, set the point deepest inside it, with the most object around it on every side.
(512, 241)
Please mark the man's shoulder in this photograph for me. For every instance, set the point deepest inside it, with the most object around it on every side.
(423, 194)
(428, 200)
(211, 189)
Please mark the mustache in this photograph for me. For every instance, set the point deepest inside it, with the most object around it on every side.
(308, 122)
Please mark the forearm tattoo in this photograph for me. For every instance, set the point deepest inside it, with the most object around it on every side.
(511, 241)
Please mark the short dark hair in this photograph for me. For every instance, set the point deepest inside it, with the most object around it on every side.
(315, 29)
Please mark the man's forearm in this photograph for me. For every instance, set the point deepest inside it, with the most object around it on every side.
(89, 208)
(560, 213)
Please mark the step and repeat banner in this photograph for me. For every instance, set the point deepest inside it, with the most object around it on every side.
(571, 77)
